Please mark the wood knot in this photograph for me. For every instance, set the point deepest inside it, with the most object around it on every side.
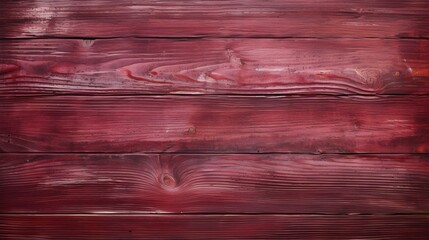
(168, 181)
(192, 130)
(371, 76)
(357, 124)
(153, 72)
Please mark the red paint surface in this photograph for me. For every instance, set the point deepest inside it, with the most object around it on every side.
(236, 183)
(213, 227)
(234, 124)
(66, 168)
(242, 18)
(245, 66)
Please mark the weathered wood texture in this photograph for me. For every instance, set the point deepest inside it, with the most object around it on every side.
(334, 184)
(323, 124)
(213, 227)
(245, 66)
(249, 18)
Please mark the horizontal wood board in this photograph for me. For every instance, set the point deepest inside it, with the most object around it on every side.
(214, 66)
(221, 124)
(212, 227)
(249, 18)
(330, 184)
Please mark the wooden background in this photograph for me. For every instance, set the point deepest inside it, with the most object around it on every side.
(238, 119)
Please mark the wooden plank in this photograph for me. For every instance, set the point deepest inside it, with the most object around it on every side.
(212, 227)
(227, 124)
(250, 18)
(214, 183)
(220, 66)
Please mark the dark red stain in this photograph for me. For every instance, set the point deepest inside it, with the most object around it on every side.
(351, 165)
(8, 68)
(213, 183)
(214, 226)
(141, 66)
(107, 18)
(216, 124)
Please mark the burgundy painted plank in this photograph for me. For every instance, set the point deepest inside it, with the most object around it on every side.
(251, 124)
(213, 227)
(214, 183)
(275, 18)
(245, 66)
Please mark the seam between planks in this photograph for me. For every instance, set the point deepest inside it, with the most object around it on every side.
(216, 153)
(207, 37)
(275, 95)
(206, 213)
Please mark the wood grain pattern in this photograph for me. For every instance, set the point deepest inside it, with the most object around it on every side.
(214, 66)
(229, 124)
(213, 227)
(235, 183)
(212, 119)
(249, 18)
